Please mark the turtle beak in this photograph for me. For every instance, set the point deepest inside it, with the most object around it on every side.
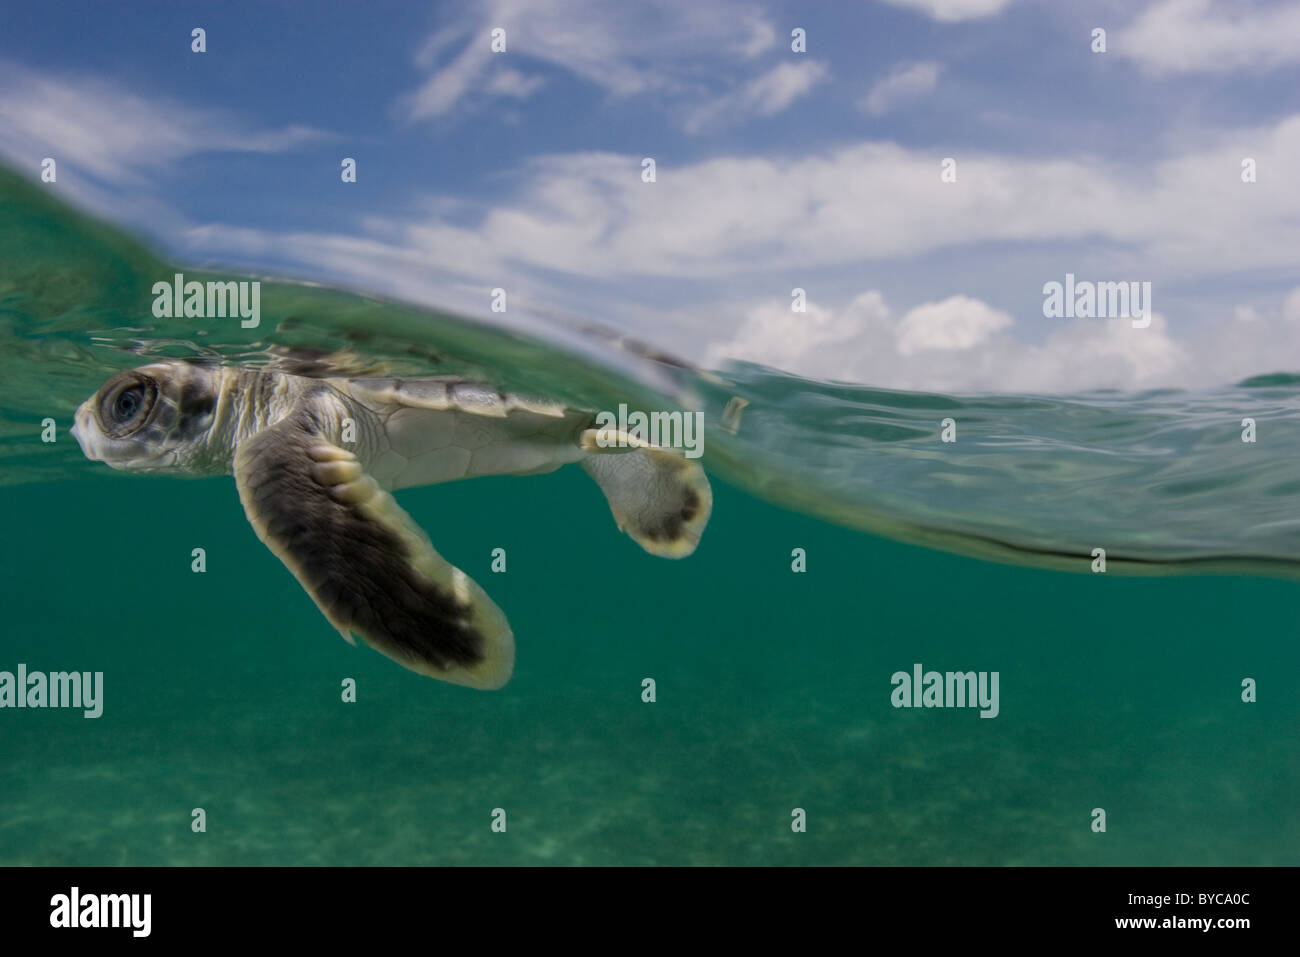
(81, 441)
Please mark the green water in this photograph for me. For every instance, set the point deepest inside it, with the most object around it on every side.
(222, 690)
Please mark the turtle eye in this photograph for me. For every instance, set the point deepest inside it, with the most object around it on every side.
(126, 404)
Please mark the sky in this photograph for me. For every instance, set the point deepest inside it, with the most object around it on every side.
(775, 169)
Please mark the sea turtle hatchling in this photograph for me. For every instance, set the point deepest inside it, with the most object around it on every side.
(315, 460)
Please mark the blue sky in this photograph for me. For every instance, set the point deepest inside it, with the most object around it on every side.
(775, 169)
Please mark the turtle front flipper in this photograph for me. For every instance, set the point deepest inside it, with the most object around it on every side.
(365, 563)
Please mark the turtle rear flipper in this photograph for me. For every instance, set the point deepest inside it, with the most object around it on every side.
(365, 563)
(659, 497)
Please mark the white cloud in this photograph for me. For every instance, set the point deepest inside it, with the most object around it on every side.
(442, 91)
(590, 215)
(957, 323)
(512, 83)
(775, 90)
(1200, 36)
(113, 135)
(768, 94)
(952, 11)
(1291, 308)
(957, 345)
(907, 82)
(964, 345)
(810, 342)
(625, 50)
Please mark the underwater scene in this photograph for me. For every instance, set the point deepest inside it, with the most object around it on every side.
(660, 711)
(561, 433)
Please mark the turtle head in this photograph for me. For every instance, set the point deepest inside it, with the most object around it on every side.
(156, 418)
